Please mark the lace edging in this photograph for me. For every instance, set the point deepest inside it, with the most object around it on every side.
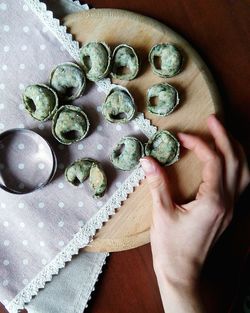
(53, 24)
(145, 125)
(82, 6)
(80, 240)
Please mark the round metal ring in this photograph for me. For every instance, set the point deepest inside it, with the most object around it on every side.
(27, 161)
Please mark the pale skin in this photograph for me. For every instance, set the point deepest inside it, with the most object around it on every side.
(183, 234)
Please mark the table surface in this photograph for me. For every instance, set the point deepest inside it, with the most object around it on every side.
(219, 30)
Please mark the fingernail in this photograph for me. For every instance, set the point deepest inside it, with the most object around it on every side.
(147, 166)
(211, 117)
(181, 136)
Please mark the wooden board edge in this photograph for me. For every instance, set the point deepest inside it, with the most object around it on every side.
(116, 245)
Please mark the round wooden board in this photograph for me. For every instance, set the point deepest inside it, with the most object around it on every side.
(129, 227)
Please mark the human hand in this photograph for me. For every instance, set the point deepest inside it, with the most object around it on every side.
(182, 235)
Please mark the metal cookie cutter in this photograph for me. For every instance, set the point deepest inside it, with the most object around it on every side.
(27, 161)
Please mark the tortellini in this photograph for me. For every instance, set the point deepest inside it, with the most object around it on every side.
(125, 63)
(77, 172)
(127, 153)
(119, 106)
(164, 147)
(95, 58)
(70, 124)
(40, 101)
(68, 80)
(166, 99)
(165, 59)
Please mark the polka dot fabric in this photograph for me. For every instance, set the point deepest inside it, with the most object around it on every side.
(35, 227)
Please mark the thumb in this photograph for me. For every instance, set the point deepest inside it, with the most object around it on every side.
(158, 183)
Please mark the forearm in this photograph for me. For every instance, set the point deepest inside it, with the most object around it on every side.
(179, 299)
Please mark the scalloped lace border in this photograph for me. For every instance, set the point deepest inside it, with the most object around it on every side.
(87, 232)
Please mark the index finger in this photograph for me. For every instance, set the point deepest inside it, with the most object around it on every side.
(212, 170)
(236, 168)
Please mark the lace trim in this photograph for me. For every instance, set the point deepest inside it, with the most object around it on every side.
(80, 240)
(86, 233)
(105, 85)
(77, 3)
(145, 125)
(53, 24)
(82, 6)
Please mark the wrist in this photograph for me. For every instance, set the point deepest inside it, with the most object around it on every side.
(184, 280)
(182, 284)
(180, 296)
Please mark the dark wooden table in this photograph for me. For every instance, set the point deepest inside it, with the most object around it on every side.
(220, 31)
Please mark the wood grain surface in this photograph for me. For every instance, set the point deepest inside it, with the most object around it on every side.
(129, 227)
(219, 30)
